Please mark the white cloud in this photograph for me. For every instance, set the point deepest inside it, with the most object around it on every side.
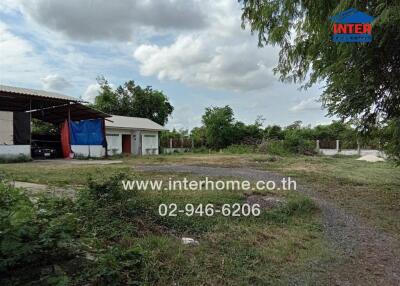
(114, 20)
(91, 92)
(196, 42)
(307, 105)
(17, 58)
(220, 57)
(13, 49)
(55, 82)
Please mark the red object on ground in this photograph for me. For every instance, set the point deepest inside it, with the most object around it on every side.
(65, 143)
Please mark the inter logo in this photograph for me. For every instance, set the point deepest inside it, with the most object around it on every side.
(352, 26)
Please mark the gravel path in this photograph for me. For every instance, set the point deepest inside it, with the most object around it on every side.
(368, 256)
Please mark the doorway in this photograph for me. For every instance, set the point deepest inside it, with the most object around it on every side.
(126, 144)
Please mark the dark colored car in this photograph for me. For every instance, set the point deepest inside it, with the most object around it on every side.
(43, 151)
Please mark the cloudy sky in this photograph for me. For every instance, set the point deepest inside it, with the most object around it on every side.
(193, 50)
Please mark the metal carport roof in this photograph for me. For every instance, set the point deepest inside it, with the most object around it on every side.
(47, 106)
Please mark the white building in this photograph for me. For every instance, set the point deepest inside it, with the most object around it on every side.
(132, 135)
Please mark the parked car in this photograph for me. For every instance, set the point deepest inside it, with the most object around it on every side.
(43, 151)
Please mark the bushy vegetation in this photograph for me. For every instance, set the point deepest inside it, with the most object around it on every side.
(108, 236)
(220, 130)
(41, 238)
(131, 99)
(11, 159)
(35, 236)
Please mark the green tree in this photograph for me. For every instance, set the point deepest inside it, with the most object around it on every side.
(199, 135)
(107, 100)
(273, 132)
(391, 135)
(133, 100)
(218, 123)
(361, 79)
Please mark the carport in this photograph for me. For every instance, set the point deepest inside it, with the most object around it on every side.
(19, 105)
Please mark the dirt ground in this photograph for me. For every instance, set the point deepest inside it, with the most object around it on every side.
(35, 189)
(368, 256)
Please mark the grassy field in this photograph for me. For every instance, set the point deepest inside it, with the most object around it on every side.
(282, 246)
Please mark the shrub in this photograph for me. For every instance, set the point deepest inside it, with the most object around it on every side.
(104, 206)
(295, 143)
(276, 148)
(117, 266)
(14, 159)
(240, 149)
(201, 150)
(37, 234)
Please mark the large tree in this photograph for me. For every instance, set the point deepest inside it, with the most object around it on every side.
(132, 100)
(218, 123)
(361, 80)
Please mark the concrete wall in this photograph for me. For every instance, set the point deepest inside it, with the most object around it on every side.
(94, 151)
(114, 143)
(150, 142)
(12, 151)
(352, 152)
(114, 140)
(136, 142)
(175, 150)
(6, 128)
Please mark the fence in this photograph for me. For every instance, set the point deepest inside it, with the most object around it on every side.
(334, 147)
(174, 145)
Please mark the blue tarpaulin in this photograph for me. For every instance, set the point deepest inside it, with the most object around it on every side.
(87, 132)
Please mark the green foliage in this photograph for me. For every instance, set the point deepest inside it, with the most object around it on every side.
(174, 134)
(118, 266)
(40, 127)
(201, 150)
(18, 159)
(109, 236)
(199, 136)
(300, 206)
(274, 147)
(218, 123)
(133, 100)
(273, 132)
(392, 135)
(220, 129)
(37, 234)
(296, 142)
(360, 79)
(106, 198)
(240, 149)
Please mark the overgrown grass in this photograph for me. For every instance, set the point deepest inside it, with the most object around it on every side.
(370, 190)
(131, 244)
(14, 159)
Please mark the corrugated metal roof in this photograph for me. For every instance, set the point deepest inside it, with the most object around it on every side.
(137, 123)
(36, 92)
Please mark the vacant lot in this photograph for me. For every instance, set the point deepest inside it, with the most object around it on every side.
(290, 244)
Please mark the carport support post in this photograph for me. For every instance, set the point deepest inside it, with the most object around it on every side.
(105, 137)
(69, 128)
(30, 122)
(30, 119)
